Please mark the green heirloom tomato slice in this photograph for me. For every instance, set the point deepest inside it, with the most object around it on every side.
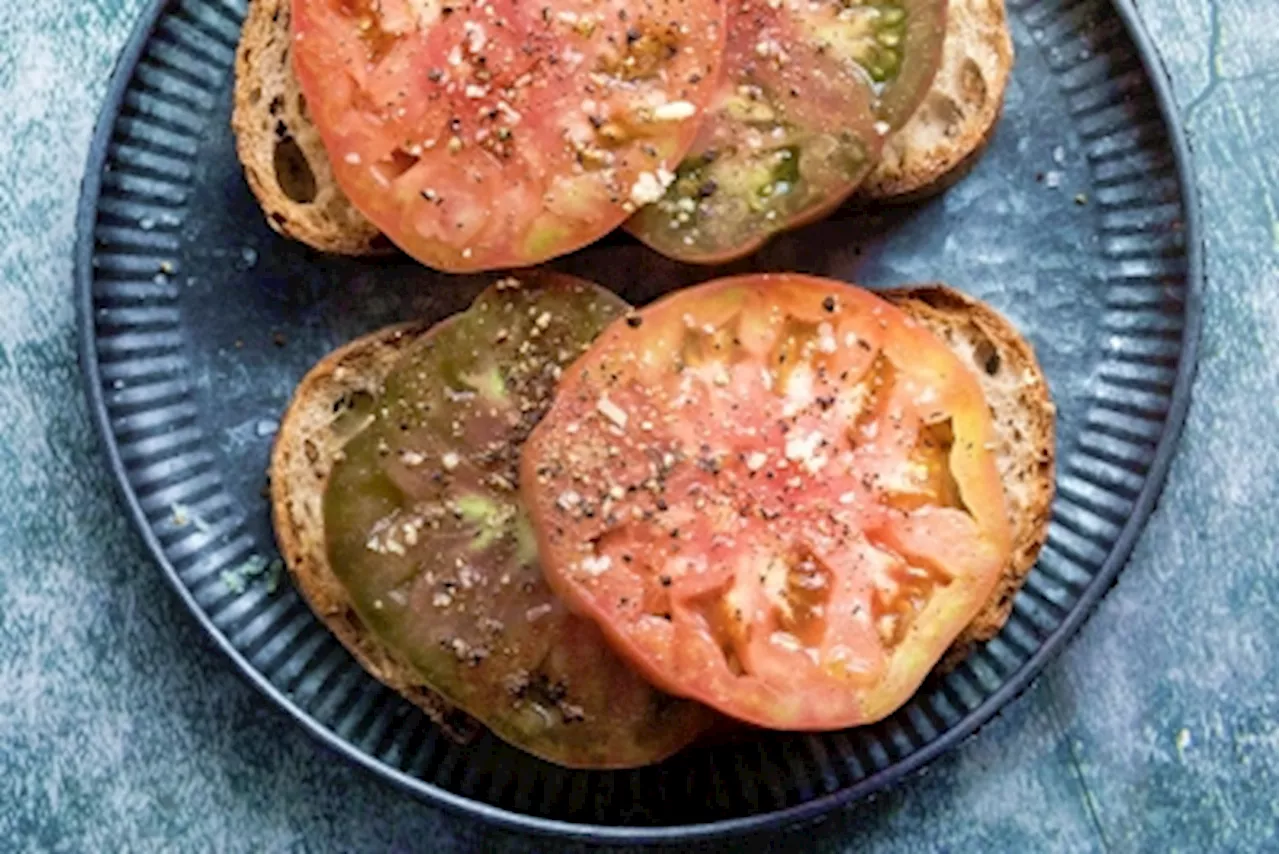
(905, 55)
(425, 529)
(486, 134)
(808, 92)
(775, 495)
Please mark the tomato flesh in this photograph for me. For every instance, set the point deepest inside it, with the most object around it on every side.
(425, 530)
(906, 59)
(809, 91)
(775, 495)
(494, 134)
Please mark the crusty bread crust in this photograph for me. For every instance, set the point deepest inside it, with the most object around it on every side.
(1024, 417)
(284, 160)
(301, 461)
(949, 131)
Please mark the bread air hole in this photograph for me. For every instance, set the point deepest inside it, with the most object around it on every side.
(973, 86)
(987, 357)
(352, 413)
(944, 111)
(293, 172)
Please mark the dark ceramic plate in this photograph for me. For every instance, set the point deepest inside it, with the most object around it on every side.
(196, 322)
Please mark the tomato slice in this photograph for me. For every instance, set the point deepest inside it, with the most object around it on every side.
(775, 495)
(485, 134)
(907, 57)
(425, 529)
(809, 91)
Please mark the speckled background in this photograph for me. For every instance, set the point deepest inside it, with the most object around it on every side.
(121, 728)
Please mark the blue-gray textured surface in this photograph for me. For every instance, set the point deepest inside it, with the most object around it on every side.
(121, 728)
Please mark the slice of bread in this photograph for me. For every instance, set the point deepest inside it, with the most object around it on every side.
(300, 464)
(284, 161)
(308, 439)
(1023, 415)
(289, 172)
(950, 129)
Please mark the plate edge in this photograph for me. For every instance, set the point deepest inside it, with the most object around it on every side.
(1144, 505)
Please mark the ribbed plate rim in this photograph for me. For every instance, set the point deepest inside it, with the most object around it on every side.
(970, 723)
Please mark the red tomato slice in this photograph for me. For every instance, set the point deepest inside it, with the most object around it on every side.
(775, 495)
(809, 92)
(483, 135)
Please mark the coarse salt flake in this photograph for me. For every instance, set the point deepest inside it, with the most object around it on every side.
(803, 448)
(786, 641)
(596, 564)
(650, 186)
(509, 113)
(674, 111)
(826, 338)
(475, 36)
(612, 411)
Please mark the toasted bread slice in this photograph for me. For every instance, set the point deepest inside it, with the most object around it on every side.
(949, 131)
(300, 464)
(288, 169)
(284, 161)
(1023, 415)
(307, 441)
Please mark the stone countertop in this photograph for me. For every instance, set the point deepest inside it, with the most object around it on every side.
(123, 728)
